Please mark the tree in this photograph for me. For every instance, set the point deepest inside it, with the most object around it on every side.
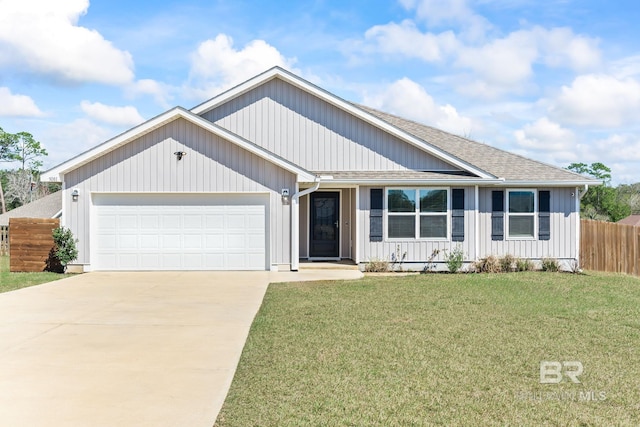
(27, 151)
(602, 201)
(7, 146)
(19, 187)
(23, 148)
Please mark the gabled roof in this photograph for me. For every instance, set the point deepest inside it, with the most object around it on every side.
(631, 220)
(279, 73)
(515, 169)
(48, 206)
(56, 173)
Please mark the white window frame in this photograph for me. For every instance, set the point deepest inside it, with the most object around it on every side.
(418, 214)
(534, 214)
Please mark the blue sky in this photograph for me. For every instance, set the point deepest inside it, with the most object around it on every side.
(558, 81)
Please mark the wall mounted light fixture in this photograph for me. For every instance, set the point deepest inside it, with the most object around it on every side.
(75, 194)
(180, 154)
(285, 196)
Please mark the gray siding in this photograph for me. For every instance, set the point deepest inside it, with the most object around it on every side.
(417, 251)
(211, 165)
(314, 134)
(562, 244)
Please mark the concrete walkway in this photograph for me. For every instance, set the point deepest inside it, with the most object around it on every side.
(128, 349)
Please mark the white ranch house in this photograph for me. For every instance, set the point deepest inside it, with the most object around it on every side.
(277, 170)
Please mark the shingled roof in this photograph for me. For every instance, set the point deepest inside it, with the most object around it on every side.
(497, 162)
(46, 207)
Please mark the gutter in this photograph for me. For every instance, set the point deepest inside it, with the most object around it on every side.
(295, 223)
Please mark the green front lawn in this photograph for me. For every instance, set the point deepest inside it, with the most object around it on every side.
(440, 349)
(12, 281)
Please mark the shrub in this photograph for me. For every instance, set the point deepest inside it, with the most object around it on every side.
(65, 246)
(490, 264)
(523, 264)
(508, 263)
(454, 259)
(550, 264)
(377, 266)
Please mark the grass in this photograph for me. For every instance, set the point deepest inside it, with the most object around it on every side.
(441, 350)
(12, 281)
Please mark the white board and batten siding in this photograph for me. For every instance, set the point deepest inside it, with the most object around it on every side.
(314, 134)
(212, 165)
(564, 228)
(562, 245)
(418, 251)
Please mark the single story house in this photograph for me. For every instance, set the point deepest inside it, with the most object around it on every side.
(49, 206)
(631, 220)
(276, 170)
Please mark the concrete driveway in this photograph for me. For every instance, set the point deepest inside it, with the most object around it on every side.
(128, 349)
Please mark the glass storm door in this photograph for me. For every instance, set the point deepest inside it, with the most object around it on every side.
(324, 236)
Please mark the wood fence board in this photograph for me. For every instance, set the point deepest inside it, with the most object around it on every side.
(612, 247)
(30, 242)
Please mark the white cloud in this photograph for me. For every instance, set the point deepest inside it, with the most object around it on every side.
(560, 47)
(408, 99)
(216, 65)
(621, 148)
(598, 100)
(506, 64)
(119, 116)
(437, 12)
(160, 92)
(545, 135)
(64, 141)
(42, 37)
(13, 105)
(407, 40)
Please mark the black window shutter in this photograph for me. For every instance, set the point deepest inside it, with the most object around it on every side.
(457, 215)
(544, 217)
(497, 215)
(375, 215)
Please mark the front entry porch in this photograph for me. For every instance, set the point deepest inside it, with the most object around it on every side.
(328, 225)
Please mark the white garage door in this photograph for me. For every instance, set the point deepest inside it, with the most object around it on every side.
(179, 232)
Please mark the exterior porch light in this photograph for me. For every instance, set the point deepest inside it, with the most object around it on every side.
(285, 196)
(75, 194)
(180, 154)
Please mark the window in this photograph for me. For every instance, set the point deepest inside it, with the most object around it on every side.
(420, 213)
(521, 218)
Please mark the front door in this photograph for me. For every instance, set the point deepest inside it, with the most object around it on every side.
(324, 240)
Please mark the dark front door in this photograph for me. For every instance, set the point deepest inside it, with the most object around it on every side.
(324, 236)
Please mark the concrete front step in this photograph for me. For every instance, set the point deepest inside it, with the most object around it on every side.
(327, 265)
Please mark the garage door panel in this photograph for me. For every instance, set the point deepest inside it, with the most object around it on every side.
(164, 235)
(149, 222)
(150, 241)
(127, 242)
(191, 242)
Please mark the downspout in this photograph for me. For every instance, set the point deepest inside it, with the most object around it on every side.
(295, 224)
(583, 192)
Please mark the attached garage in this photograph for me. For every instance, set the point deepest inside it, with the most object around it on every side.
(172, 231)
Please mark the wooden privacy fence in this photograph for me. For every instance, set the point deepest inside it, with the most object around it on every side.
(30, 243)
(607, 246)
(4, 240)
